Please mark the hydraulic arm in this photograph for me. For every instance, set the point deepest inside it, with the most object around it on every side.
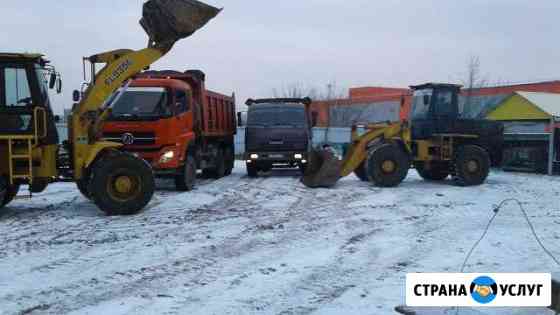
(165, 23)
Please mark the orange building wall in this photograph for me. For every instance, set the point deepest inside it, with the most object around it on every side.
(322, 107)
(374, 94)
(547, 87)
(375, 91)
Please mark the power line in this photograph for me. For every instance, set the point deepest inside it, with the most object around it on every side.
(491, 221)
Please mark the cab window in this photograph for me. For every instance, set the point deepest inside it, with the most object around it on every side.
(444, 104)
(182, 101)
(16, 87)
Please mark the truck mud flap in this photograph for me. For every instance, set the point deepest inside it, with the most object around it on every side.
(323, 170)
(166, 21)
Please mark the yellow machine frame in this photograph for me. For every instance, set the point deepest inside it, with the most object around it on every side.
(401, 133)
(88, 117)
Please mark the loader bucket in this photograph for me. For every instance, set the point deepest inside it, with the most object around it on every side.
(323, 170)
(167, 21)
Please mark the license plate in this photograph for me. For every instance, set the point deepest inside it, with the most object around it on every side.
(276, 156)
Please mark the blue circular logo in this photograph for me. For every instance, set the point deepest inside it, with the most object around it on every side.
(484, 290)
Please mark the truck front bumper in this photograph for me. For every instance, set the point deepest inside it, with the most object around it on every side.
(291, 158)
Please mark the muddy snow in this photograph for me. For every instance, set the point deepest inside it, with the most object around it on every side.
(267, 245)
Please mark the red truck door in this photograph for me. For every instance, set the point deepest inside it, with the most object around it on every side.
(184, 117)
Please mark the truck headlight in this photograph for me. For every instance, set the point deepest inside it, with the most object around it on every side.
(298, 156)
(167, 156)
(254, 156)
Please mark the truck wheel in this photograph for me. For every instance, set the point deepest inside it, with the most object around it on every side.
(361, 172)
(220, 170)
(186, 178)
(121, 184)
(230, 160)
(437, 172)
(39, 185)
(252, 170)
(387, 165)
(7, 192)
(472, 165)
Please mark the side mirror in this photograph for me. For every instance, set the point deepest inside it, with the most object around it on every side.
(52, 80)
(56, 119)
(178, 109)
(58, 86)
(76, 95)
(426, 100)
(239, 119)
(314, 119)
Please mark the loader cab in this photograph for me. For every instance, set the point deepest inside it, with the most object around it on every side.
(25, 107)
(435, 109)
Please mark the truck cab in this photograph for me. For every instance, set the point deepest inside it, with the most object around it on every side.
(277, 134)
(170, 120)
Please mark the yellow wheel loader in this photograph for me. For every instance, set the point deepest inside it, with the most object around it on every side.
(436, 141)
(117, 182)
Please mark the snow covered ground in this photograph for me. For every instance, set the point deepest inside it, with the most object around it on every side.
(266, 246)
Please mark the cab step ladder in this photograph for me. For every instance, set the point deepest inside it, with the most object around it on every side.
(21, 149)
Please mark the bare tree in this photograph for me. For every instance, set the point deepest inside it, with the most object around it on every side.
(294, 90)
(474, 78)
(329, 92)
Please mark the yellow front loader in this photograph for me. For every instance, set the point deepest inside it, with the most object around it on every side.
(436, 141)
(117, 182)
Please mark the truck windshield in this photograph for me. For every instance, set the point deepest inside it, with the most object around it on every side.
(138, 102)
(421, 110)
(276, 116)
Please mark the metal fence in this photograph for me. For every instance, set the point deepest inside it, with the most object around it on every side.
(335, 136)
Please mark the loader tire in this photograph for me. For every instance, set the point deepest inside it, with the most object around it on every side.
(252, 170)
(387, 165)
(361, 172)
(437, 172)
(121, 184)
(186, 178)
(472, 165)
(83, 185)
(7, 192)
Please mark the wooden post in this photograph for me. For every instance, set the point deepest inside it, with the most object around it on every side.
(555, 306)
(551, 146)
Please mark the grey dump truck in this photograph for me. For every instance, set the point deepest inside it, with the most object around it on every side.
(278, 134)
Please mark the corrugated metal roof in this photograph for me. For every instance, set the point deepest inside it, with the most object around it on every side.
(20, 55)
(548, 102)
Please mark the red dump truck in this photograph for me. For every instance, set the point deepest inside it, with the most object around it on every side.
(169, 119)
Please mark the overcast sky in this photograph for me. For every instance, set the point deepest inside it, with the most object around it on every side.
(254, 46)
